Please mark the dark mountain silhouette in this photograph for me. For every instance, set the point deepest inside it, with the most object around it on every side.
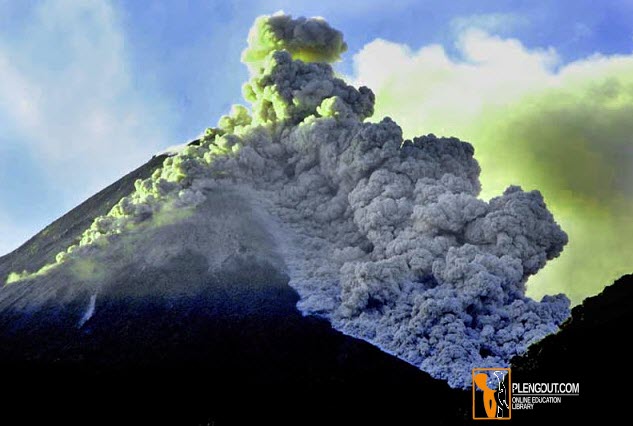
(589, 350)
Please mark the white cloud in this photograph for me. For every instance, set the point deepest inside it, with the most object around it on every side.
(490, 22)
(429, 86)
(65, 85)
(69, 98)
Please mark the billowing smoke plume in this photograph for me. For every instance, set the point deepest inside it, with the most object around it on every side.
(564, 128)
(385, 237)
(309, 40)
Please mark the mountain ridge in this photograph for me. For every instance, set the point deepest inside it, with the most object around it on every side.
(68, 228)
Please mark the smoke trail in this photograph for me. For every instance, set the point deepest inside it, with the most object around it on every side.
(385, 237)
(89, 311)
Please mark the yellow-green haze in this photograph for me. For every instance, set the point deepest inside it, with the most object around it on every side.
(565, 130)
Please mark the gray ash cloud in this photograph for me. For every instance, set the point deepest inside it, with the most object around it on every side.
(383, 236)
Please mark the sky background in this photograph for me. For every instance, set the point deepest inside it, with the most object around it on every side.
(90, 89)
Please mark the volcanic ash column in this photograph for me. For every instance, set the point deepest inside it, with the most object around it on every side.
(383, 236)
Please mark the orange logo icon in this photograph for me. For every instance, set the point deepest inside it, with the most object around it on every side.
(491, 393)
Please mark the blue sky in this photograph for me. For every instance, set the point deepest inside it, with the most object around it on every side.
(91, 89)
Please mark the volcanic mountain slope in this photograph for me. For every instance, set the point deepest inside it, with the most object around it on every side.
(42, 248)
(187, 329)
(188, 342)
(589, 350)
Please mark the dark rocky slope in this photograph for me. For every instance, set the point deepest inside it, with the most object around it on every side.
(591, 350)
(236, 352)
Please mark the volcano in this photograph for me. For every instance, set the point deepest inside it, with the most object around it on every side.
(296, 255)
(184, 343)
